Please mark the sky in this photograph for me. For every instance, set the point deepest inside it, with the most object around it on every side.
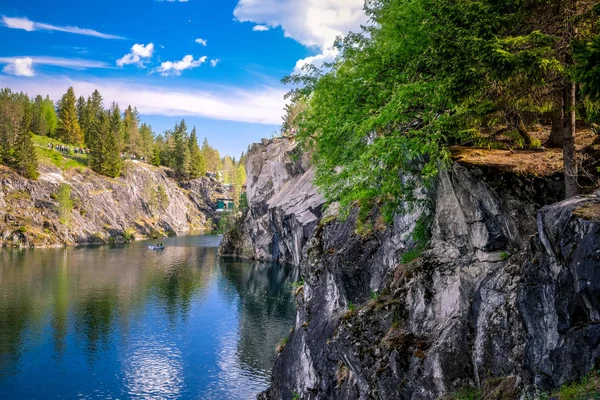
(216, 64)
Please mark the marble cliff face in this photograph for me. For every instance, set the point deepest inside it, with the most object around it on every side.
(144, 202)
(506, 296)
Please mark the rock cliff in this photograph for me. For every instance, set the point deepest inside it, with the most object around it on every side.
(505, 297)
(145, 202)
(284, 205)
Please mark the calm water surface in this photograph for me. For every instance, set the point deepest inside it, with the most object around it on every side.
(127, 322)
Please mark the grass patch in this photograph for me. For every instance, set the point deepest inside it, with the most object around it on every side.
(590, 212)
(412, 255)
(56, 158)
(587, 388)
(18, 195)
(281, 345)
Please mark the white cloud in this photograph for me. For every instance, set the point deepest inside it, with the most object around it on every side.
(203, 42)
(313, 23)
(262, 105)
(327, 56)
(20, 67)
(73, 63)
(175, 67)
(30, 26)
(260, 28)
(213, 63)
(138, 54)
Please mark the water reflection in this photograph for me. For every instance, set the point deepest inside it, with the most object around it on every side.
(128, 322)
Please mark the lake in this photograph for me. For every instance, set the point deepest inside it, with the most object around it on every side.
(117, 322)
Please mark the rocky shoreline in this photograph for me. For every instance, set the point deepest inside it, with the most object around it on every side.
(145, 202)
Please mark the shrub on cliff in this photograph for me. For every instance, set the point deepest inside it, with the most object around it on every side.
(64, 203)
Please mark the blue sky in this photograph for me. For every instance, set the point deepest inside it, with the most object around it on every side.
(215, 63)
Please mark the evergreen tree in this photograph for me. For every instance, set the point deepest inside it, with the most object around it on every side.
(68, 129)
(146, 148)
(49, 113)
(197, 164)
(25, 158)
(116, 124)
(180, 161)
(39, 125)
(113, 163)
(105, 152)
(211, 157)
(155, 156)
(131, 130)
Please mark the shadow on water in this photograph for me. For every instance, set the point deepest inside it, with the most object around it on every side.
(123, 321)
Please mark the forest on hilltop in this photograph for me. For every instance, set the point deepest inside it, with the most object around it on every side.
(107, 136)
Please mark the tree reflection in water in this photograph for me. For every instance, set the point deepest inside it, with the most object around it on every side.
(139, 323)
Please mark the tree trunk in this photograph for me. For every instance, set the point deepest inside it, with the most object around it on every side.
(570, 161)
(515, 123)
(557, 134)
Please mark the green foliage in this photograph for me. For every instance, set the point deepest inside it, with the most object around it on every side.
(68, 129)
(587, 388)
(504, 256)
(162, 197)
(64, 205)
(535, 144)
(181, 157)
(105, 156)
(197, 163)
(424, 75)
(468, 394)
(129, 234)
(411, 255)
(243, 201)
(587, 71)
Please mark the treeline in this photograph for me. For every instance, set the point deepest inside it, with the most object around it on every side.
(427, 74)
(110, 134)
(17, 113)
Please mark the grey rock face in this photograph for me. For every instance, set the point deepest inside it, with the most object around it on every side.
(506, 296)
(284, 204)
(145, 201)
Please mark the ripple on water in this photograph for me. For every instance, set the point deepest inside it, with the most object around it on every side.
(153, 370)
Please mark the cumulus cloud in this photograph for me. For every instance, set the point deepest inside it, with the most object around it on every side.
(260, 28)
(213, 63)
(313, 23)
(203, 42)
(262, 104)
(138, 54)
(30, 26)
(20, 67)
(175, 67)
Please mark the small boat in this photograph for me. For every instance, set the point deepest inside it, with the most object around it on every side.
(156, 247)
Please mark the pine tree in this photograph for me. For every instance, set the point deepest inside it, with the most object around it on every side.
(197, 164)
(39, 125)
(112, 154)
(92, 111)
(131, 130)
(25, 158)
(49, 113)
(180, 161)
(146, 147)
(116, 123)
(68, 129)
(155, 156)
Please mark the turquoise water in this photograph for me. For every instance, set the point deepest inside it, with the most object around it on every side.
(128, 322)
